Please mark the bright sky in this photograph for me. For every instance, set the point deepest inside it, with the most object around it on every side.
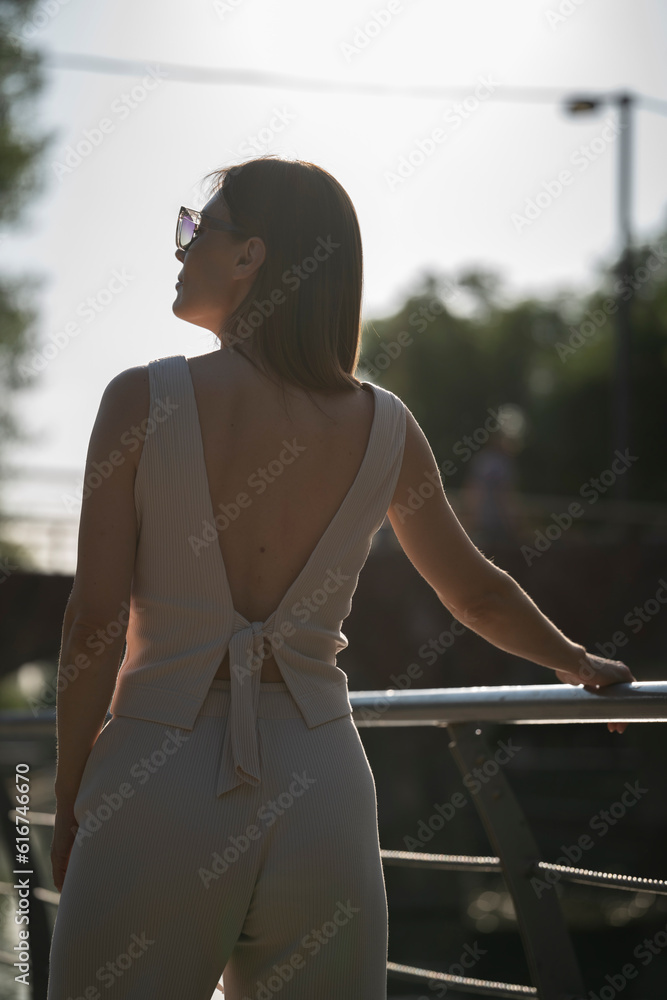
(114, 213)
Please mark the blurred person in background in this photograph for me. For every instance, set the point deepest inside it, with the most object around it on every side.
(489, 494)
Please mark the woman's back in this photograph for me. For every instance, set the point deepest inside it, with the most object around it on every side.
(290, 465)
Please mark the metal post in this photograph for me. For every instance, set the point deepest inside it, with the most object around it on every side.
(549, 952)
(625, 279)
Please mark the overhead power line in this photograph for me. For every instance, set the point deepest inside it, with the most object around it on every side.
(258, 78)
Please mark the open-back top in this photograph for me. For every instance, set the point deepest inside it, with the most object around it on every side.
(182, 619)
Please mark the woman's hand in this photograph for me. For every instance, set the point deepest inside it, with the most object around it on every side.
(64, 832)
(595, 672)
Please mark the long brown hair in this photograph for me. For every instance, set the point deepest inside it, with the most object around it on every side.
(303, 311)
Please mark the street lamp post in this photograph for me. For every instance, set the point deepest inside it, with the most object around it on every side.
(620, 397)
(622, 357)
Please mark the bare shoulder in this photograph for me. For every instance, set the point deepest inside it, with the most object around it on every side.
(124, 406)
(130, 388)
(131, 380)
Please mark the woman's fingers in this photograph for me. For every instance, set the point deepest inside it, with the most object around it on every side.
(595, 673)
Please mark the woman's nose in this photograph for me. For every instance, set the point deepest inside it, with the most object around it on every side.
(180, 255)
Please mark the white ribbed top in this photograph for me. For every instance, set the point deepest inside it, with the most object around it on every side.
(182, 619)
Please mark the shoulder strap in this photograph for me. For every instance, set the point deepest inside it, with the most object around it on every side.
(168, 432)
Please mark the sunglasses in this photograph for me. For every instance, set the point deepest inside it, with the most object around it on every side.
(190, 222)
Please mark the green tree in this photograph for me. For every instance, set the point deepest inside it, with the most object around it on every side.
(21, 80)
(549, 358)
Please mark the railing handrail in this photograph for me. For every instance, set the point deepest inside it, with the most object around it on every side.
(639, 701)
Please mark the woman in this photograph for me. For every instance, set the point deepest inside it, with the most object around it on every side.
(225, 819)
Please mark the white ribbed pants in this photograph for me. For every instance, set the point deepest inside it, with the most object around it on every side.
(280, 886)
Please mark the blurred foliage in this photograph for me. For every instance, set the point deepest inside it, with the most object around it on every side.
(551, 359)
(21, 176)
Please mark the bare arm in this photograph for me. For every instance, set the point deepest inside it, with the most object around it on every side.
(86, 681)
(96, 616)
(478, 593)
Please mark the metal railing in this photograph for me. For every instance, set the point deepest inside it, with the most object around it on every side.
(552, 963)
(551, 959)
